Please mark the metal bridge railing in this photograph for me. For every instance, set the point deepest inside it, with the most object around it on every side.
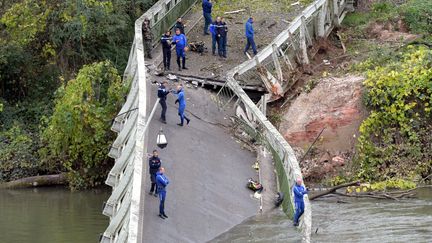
(287, 49)
(124, 206)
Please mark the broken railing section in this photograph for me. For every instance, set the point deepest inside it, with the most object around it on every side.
(163, 15)
(259, 128)
(289, 49)
(273, 65)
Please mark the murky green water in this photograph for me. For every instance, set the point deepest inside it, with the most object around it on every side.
(45, 215)
(353, 220)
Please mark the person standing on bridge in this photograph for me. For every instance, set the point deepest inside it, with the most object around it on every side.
(166, 41)
(299, 191)
(147, 38)
(207, 10)
(180, 41)
(179, 25)
(154, 165)
(214, 30)
(223, 32)
(162, 94)
(250, 36)
(162, 182)
(182, 105)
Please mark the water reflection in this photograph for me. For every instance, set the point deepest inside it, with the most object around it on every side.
(44, 215)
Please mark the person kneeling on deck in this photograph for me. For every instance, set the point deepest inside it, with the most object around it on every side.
(182, 105)
(147, 37)
(162, 182)
(154, 165)
(299, 191)
(181, 42)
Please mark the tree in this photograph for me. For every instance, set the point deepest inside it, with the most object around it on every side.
(78, 135)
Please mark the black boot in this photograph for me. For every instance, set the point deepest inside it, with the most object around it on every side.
(178, 63)
(184, 63)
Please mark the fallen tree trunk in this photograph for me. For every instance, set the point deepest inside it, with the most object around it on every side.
(333, 189)
(36, 181)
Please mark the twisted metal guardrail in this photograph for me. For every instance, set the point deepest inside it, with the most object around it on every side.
(270, 65)
(124, 206)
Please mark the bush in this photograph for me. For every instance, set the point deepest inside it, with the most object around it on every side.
(17, 154)
(418, 15)
(78, 135)
(395, 138)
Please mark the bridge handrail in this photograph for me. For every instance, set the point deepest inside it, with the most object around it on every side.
(286, 163)
(124, 207)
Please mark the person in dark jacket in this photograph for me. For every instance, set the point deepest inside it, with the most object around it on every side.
(162, 182)
(162, 94)
(207, 10)
(223, 32)
(154, 165)
(250, 36)
(166, 41)
(180, 41)
(179, 25)
(182, 105)
(214, 30)
(147, 37)
(299, 191)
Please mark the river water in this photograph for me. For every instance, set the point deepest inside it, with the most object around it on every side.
(44, 215)
(349, 220)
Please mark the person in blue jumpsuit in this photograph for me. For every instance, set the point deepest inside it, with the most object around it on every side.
(215, 35)
(162, 94)
(299, 191)
(162, 182)
(250, 36)
(180, 41)
(182, 105)
(207, 9)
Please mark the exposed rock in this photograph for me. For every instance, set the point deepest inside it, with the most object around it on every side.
(335, 103)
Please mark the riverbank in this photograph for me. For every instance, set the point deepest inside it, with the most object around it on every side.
(345, 97)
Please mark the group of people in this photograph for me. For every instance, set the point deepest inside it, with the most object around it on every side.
(180, 42)
(218, 30)
(163, 95)
(159, 181)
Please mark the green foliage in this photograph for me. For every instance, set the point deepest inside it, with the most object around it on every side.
(78, 134)
(393, 137)
(24, 20)
(356, 19)
(418, 15)
(17, 154)
(392, 184)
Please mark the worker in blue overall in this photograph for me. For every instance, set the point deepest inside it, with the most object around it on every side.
(249, 32)
(299, 191)
(180, 41)
(207, 10)
(162, 182)
(182, 105)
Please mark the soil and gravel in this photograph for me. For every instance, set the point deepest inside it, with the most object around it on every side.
(268, 24)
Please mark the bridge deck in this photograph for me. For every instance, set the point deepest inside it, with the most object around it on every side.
(208, 171)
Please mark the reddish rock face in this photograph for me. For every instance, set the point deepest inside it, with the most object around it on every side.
(334, 103)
